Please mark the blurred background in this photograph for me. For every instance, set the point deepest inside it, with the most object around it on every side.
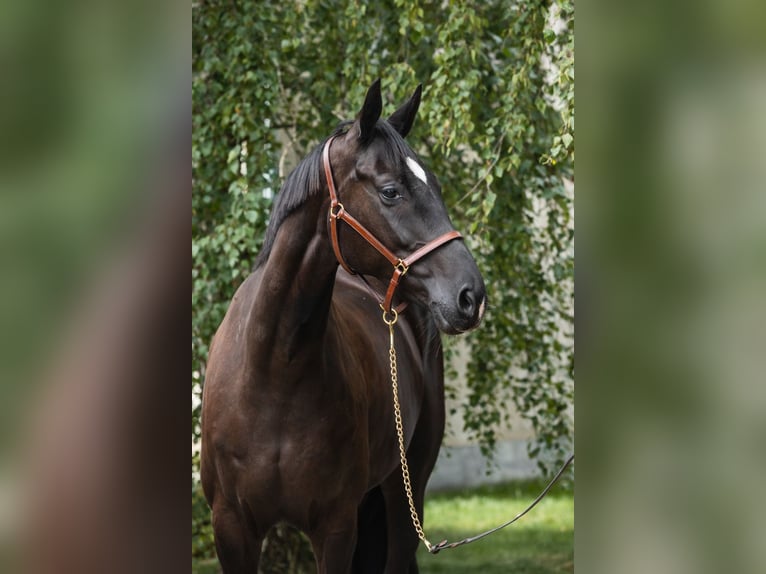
(671, 277)
(94, 232)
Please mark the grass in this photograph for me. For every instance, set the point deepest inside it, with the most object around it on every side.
(542, 542)
(205, 566)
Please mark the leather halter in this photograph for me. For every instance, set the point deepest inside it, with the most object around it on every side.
(400, 265)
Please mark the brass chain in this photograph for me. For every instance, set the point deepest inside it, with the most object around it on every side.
(391, 321)
(400, 428)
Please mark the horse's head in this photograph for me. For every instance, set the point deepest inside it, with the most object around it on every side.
(385, 186)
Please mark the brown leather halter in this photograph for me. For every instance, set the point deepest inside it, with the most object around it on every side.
(400, 265)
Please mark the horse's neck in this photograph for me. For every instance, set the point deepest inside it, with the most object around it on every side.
(292, 301)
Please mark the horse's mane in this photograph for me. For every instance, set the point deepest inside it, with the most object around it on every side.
(308, 178)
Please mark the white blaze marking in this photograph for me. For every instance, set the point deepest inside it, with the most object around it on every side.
(417, 170)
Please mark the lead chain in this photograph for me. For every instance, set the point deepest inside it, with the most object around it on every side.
(400, 434)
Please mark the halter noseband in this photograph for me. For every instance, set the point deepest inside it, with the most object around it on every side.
(400, 265)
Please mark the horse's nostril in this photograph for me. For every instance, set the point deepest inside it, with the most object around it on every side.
(466, 301)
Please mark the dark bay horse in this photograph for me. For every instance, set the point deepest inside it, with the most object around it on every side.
(297, 416)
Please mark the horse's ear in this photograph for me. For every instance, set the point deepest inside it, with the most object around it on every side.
(403, 118)
(368, 117)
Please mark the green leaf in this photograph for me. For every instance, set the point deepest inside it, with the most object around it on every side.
(489, 203)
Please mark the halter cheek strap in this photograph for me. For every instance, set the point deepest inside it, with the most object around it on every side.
(400, 265)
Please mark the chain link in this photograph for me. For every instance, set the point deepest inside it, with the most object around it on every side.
(400, 434)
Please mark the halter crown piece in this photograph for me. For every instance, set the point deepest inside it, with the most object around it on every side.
(400, 265)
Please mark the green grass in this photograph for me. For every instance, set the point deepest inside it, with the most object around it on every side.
(542, 542)
(205, 566)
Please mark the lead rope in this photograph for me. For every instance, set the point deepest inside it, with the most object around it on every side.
(400, 427)
(390, 320)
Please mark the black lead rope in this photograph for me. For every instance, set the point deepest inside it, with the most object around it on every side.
(436, 548)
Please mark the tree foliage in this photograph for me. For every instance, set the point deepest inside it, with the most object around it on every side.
(496, 125)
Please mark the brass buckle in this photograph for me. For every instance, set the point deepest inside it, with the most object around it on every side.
(402, 267)
(341, 209)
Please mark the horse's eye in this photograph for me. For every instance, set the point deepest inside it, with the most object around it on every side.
(389, 193)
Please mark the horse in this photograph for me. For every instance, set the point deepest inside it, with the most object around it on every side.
(297, 416)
